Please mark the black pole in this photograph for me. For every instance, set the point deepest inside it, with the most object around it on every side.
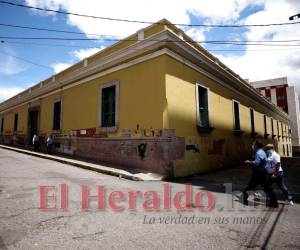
(294, 17)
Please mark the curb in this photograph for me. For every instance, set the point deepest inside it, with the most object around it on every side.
(76, 163)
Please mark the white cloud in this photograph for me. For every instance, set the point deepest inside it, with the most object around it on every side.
(252, 65)
(148, 10)
(79, 54)
(58, 67)
(10, 65)
(84, 53)
(8, 92)
(197, 34)
(217, 11)
(53, 5)
(270, 64)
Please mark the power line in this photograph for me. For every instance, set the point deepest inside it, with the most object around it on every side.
(65, 39)
(254, 44)
(48, 44)
(53, 30)
(261, 50)
(251, 41)
(107, 37)
(239, 43)
(145, 22)
(91, 47)
(25, 60)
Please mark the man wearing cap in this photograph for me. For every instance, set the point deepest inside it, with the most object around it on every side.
(260, 175)
(275, 171)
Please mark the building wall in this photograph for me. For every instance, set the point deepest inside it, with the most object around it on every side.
(277, 94)
(294, 113)
(221, 147)
(142, 100)
(156, 126)
(286, 97)
(155, 94)
(281, 94)
(273, 96)
(270, 82)
(8, 123)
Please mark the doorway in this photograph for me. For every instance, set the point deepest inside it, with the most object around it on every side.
(33, 123)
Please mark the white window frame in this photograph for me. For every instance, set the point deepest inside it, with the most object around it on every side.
(199, 84)
(115, 83)
(233, 115)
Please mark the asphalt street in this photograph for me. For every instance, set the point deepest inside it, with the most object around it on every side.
(227, 225)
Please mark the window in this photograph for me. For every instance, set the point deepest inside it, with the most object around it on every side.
(281, 97)
(278, 129)
(272, 126)
(108, 106)
(252, 121)
(282, 129)
(287, 150)
(202, 109)
(268, 93)
(236, 113)
(2, 125)
(265, 125)
(56, 115)
(16, 122)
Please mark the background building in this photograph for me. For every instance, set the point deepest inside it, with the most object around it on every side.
(285, 96)
(156, 101)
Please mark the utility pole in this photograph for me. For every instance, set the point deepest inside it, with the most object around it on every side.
(294, 17)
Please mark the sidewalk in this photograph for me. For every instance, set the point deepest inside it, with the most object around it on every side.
(140, 176)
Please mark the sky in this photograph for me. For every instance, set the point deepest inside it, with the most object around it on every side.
(49, 57)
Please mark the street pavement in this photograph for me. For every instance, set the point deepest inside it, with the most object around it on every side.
(227, 225)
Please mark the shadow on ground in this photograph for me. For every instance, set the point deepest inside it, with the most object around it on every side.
(239, 177)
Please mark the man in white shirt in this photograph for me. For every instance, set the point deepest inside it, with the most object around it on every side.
(275, 171)
(260, 175)
(35, 142)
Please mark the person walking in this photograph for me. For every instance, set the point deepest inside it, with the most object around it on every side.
(276, 173)
(50, 143)
(35, 142)
(259, 176)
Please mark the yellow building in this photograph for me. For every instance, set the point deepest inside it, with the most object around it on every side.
(155, 100)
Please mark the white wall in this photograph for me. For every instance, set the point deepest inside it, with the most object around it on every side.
(293, 109)
(273, 96)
